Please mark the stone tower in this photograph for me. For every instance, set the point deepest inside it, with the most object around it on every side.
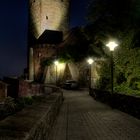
(48, 23)
(48, 14)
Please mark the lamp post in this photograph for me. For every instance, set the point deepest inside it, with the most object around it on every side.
(56, 62)
(90, 61)
(111, 45)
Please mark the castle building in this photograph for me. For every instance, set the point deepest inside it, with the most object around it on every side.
(48, 23)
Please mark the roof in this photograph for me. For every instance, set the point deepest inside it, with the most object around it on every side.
(75, 37)
(50, 37)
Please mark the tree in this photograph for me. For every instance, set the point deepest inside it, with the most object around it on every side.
(117, 14)
(118, 19)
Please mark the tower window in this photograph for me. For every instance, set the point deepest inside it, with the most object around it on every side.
(47, 17)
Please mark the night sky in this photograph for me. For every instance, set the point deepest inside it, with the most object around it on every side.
(13, 33)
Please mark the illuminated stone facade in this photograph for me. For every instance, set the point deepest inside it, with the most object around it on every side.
(41, 53)
(47, 20)
(48, 14)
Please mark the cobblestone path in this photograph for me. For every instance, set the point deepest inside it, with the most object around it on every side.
(83, 118)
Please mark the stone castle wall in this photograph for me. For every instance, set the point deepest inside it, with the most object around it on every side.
(45, 15)
(34, 122)
(41, 53)
(27, 89)
(48, 14)
(3, 90)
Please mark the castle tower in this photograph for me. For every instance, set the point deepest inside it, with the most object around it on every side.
(48, 22)
(48, 14)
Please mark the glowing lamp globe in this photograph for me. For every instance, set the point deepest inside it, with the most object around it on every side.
(112, 45)
(90, 61)
(56, 62)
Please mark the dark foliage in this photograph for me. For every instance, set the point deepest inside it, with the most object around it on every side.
(12, 105)
(117, 19)
(75, 47)
(126, 103)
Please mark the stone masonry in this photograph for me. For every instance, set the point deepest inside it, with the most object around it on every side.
(3, 90)
(48, 14)
(83, 118)
(33, 122)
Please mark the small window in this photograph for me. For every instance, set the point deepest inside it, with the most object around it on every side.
(62, 0)
(47, 17)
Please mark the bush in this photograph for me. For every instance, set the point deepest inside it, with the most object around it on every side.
(9, 104)
(126, 71)
(28, 100)
(9, 107)
(12, 105)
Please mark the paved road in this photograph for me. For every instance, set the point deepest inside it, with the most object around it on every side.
(83, 118)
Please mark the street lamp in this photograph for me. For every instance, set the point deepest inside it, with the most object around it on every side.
(90, 61)
(56, 62)
(111, 45)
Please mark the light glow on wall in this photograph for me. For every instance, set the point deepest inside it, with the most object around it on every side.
(61, 66)
(48, 15)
